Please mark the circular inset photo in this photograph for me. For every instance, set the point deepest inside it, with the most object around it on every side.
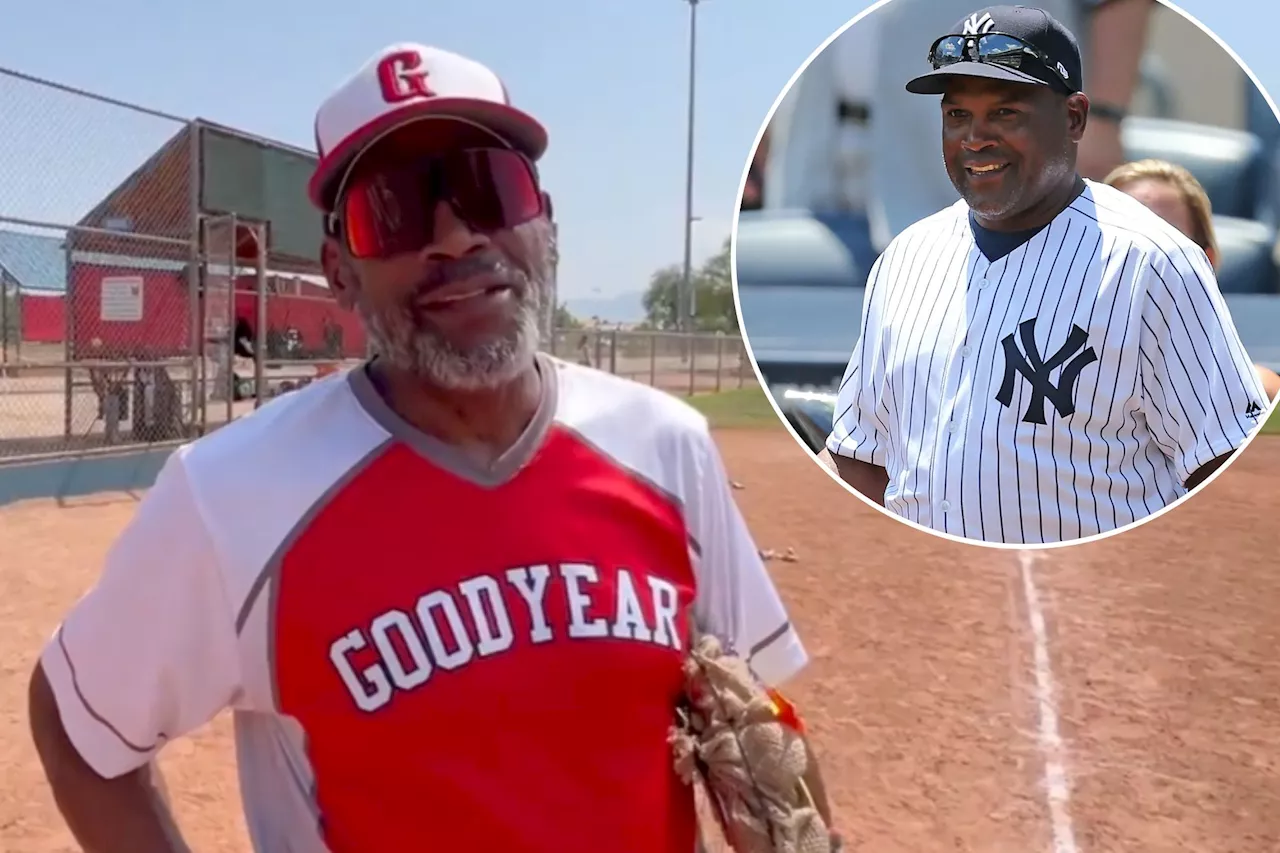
(1010, 272)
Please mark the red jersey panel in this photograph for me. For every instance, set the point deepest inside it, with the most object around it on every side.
(492, 666)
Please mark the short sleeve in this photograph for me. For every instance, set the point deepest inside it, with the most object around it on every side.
(149, 653)
(736, 599)
(1200, 393)
(858, 428)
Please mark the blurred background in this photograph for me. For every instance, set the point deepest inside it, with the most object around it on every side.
(850, 159)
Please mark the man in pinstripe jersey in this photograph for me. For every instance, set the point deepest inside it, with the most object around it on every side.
(1046, 359)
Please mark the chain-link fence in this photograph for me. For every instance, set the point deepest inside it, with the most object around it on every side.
(158, 279)
(675, 362)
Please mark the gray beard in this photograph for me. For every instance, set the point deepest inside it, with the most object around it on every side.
(1055, 171)
(434, 359)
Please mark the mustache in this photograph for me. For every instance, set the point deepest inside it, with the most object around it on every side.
(490, 264)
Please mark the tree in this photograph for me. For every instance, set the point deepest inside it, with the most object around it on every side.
(713, 291)
(564, 319)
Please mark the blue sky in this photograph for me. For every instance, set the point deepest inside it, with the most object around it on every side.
(608, 78)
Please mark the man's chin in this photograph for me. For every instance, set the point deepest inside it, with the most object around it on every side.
(476, 363)
(992, 210)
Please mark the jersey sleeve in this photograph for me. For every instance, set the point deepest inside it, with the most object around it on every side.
(858, 428)
(149, 653)
(1200, 393)
(736, 599)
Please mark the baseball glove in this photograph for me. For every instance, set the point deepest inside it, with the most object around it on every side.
(735, 747)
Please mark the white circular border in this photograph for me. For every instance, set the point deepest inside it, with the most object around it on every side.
(746, 341)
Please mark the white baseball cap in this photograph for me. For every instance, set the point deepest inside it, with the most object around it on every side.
(404, 82)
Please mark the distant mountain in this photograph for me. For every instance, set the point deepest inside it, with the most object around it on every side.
(620, 308)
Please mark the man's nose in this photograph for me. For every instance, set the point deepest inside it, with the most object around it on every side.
(979, 136)
(451, 237)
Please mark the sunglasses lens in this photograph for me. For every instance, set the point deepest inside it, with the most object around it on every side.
(1002, 50)
(392, 211)
(386, 213)
(492, 188)
(948, 51)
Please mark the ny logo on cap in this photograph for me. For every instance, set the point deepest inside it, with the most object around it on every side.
(402, 77)
(975, 25)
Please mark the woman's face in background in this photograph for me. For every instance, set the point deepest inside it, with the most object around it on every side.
(1166, 202)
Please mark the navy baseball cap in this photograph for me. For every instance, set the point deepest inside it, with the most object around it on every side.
(1048, 55)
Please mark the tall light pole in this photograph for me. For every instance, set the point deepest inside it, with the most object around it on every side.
(688, 302)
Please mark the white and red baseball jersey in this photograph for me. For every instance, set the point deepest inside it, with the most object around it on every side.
(421, 652)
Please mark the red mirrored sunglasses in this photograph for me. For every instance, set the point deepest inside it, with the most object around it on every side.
(391, 211)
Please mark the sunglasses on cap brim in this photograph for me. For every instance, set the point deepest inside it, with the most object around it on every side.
(390, 211)
(997, 49)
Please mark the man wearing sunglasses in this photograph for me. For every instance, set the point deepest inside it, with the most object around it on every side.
(1045, 360)
(447, 594)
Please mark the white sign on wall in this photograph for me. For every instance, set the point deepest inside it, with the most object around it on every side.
(122, 299)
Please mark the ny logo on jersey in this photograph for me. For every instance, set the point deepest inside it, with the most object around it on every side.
(1036, 371)
(975, 25)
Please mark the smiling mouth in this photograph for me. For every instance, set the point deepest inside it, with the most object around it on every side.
(457, 297)
(988, 169)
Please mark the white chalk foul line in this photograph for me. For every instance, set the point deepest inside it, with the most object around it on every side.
(1056, 782)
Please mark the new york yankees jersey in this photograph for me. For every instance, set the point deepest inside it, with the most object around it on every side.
(1066, 388)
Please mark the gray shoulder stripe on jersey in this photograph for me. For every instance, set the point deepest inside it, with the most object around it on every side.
(93, 712)
(770, 638)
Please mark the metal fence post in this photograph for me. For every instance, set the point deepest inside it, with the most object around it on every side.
(653, 358)
(196, 361)
(719, 358)
(4, 324)
(613, 351)
(229, 343)
(18, 315)
(68, 348)
(691, 340)
(260, 332)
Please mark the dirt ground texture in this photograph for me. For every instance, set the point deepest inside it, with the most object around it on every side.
(925, 691)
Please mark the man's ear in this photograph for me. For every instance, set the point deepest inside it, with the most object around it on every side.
(1077, 115)
(338, 272)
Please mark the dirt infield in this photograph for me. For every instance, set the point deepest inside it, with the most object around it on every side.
(942, 677)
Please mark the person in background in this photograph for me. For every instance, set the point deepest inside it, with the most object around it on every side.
(753, 192)
(1171, 191)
